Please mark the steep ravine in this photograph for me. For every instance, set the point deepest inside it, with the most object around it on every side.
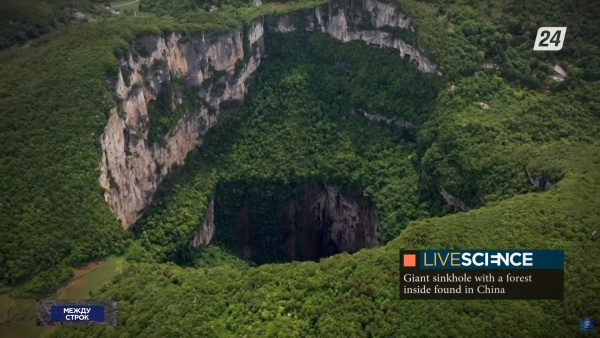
(217, 67)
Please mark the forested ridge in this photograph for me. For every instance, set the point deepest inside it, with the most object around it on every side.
(303, 122)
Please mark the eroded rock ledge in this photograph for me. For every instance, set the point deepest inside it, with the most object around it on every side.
(217, 67)
(394, 121)
(449, 198)
(349, 222)
(371, 21)
(206, 230)
(538, 181)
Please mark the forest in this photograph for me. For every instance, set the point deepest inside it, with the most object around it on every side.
(23, 20)
(301, 123)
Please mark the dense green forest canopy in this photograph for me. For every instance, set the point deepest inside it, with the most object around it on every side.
(297, 126)
(23, 20)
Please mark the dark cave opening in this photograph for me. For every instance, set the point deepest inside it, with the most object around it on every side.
(272, 222)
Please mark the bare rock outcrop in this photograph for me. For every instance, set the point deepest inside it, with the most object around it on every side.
(538, 181)
(347, 223)
(364, 23)
(395, 121)
(131, 167)
(450, 199)
(206, 230)
(559, 74)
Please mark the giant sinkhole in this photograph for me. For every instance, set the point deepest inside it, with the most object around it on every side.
(313, 81)
(273, 222)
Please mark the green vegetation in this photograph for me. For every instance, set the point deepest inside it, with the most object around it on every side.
(53, 105)
(17, 315)
(297, 127)
(232, 13)
(126, 5)
(361, 290)
(162, 116)
(461, 34)
(23, 20)
(213, 256)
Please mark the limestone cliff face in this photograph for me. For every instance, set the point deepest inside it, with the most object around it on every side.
(395, 121)
(347, 223)
(206, 230)
(538, 181)
(217, 67)
(449, 198)
(131, 167)
(364, 23)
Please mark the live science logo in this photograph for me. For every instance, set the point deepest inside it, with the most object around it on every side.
(482, 274)
(439, 259)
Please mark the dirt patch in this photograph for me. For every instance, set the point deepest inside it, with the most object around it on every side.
(76, 280)
(77, 273)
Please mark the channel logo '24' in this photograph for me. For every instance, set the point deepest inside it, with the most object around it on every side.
(550, 38)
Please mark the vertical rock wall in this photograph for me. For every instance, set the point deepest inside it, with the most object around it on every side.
(206, 230)
(303, 223)
(349, 223)
(364, 23)
(131, 167)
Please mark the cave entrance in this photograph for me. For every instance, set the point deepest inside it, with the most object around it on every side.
(270, 222)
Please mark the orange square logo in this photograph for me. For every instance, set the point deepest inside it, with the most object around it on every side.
(410, 260)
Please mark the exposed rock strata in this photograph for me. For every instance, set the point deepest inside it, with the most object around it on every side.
(449, 198)
(453, 201)
(396, 121)
(132, 168)
(206, 230)
(348, 223)
(538, 181)
(345, 24)
(315, 221)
